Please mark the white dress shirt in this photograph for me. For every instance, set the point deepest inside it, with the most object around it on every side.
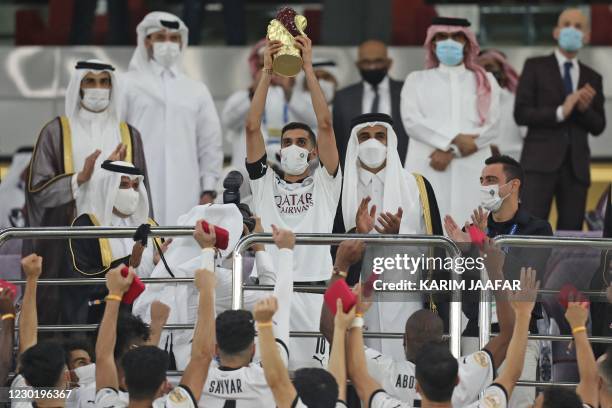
(384, 97)
(574, 74)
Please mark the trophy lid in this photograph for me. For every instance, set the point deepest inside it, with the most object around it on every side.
(286, 16)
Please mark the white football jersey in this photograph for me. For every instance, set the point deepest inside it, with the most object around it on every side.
(495, 396)
(243, 387)
(399, 381)
(179, 397)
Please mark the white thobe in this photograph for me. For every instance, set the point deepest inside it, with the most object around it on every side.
(389, 313)
(511, 135)
(181, 134)
(90, 132)
(436, 105)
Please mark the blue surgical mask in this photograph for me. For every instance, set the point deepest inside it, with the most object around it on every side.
(570, 39)
(449, 52)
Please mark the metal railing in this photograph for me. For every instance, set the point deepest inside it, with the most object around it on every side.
(484, 316)
(327, 239)
(237, 283)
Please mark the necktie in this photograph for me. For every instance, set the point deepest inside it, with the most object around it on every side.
(374, 108)
(567, 78)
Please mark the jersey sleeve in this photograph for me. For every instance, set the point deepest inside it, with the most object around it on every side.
(181, 397)
(331, 185)
(379, 365)
(259, 174)
(107, 398)
(476, 373)
(380, 399)
(495, 396)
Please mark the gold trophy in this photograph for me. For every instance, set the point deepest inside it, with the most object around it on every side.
(284, 28)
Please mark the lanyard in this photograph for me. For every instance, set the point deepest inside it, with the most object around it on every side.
(512, 231)
(285, 115)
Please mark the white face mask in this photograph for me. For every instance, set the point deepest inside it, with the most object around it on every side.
(490, 199)
(372, 153)
(329, 90)
(127, 200)
(86, 374)
(294, 160)
(166, 53)
(95, 99)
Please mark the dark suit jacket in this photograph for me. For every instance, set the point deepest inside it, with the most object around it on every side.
(347, 105)
(540, 92)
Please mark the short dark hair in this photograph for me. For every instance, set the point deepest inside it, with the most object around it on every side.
(512, 168)
(316, 387)
(43, 364)
(235, 331)
(76, 344)
(422, 327)
(561, 397)
(436, 372)
(145, 370)
(299, 125)
(130, 329)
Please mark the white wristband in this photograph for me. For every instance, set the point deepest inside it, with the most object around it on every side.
(357, 322)
(208, 259)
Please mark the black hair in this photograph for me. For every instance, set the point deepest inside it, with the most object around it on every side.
(605, 368)
(145, 370)
(299, 125)
(43, 364)
(316, 387)
(76, 344)
(436, 372)
(512, 169)
(561, 397)
(235, 331)
(130, 329)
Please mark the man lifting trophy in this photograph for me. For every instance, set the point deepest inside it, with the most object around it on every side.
(284, 28)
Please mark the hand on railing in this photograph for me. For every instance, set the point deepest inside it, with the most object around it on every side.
(283, 238)
(349, 253)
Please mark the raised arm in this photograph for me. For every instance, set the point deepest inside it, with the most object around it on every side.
(498, 346)
(283, 288)
(203, 346)
(326, 139)
(7, 333)
(28, 318)
(256, 146)
(356, 362)
(577, 315)
(349, 253)
(337, 357)
(106, 370)
(159, 316)
(522, 303)
(275, 371)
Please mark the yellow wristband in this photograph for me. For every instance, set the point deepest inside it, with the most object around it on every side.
(113, 297)
(578, 329)
(8, 316)
(358, 314)
(264, 324)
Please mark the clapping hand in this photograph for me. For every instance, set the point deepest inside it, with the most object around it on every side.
(454, 232)
(390, 222)
(364, 219)
(585, 97)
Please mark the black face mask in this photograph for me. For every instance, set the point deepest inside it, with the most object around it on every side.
(373, 76)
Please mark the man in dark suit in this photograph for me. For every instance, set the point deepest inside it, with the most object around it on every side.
(561, 101)
(376, 93)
